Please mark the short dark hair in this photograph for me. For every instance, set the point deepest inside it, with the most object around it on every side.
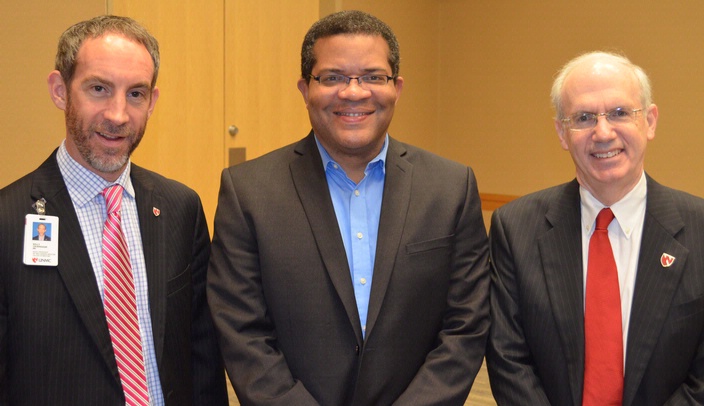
(71, 40)
(348, 22)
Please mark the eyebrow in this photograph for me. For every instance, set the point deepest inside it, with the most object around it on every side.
(95, 78)
(366, 70)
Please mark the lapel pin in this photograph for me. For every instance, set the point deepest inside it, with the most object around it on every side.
(666, 260)
(156, 211)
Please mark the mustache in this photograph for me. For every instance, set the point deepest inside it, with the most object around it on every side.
(110, 128)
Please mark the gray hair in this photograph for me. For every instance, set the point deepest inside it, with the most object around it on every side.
(646, 93)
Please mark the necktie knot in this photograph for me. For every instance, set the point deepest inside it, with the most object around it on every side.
(113, 198)
(605, 217)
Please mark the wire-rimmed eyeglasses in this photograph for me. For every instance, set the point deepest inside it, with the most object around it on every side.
(586, 121)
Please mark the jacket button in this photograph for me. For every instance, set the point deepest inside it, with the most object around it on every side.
(356, 349)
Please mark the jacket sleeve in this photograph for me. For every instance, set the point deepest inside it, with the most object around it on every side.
(511, 372)
(257, 369)
(209, 386)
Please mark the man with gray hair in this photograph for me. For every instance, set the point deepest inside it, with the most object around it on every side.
(598, 284)
(112, 310)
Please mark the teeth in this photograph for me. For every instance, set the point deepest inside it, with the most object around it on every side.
(608, 154)
(108, 136)
(351, 114)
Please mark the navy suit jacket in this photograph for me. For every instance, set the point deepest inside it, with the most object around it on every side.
(55, 347)
(535, 354)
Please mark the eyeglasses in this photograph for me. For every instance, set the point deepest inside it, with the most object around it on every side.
(367, 82)
(587, 121)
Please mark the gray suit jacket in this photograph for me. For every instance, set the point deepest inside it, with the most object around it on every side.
(280, 290)
(55, 346)
(536, 349)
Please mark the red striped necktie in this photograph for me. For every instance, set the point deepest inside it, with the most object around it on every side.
(120, 304)
(603, 334)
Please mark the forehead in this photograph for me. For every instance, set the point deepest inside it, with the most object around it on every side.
(600, 84)
(342, 51)
(112, 55)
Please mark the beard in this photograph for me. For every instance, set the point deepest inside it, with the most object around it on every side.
(106, 160)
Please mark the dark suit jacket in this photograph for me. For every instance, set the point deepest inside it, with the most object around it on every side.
(46, 238)
(280, 290)
(535, 354)
(55, 347)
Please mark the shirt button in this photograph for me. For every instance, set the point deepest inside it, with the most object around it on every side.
(360, 235)
(356, 193)
(363, 281)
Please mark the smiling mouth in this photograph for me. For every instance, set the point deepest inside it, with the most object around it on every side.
(107, 136)
(605, 155)
(339, 113)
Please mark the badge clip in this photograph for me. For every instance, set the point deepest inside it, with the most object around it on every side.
(40, 206)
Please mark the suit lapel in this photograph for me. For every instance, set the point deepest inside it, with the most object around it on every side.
(394, 207)
(655, 284)
(74, 266)
(561, 254)
(309, 180)
(151, 228)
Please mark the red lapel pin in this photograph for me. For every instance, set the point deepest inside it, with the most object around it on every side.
(666, 260)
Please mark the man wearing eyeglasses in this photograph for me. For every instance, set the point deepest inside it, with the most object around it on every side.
(598, 284)
(350, 268)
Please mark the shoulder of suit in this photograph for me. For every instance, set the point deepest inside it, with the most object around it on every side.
(541, 200)
(146, 178)
(278, 159)
(416, 155)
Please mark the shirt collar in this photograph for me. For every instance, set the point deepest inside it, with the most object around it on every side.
(381, 157)
(625, 210)
(84, 185)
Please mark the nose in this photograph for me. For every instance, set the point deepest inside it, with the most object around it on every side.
(603, 131)
(116, 111)
(353, 91)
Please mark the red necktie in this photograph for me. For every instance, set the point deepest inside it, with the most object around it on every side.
(120, 304)
(603, 335)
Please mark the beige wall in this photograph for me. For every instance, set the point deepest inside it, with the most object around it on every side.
(477, 78)
(416, 27)
(498, 60)
(32, 126)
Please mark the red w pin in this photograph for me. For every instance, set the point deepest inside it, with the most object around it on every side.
(666, 260)
(156, 211)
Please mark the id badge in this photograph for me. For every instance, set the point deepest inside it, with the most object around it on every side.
(41, 240)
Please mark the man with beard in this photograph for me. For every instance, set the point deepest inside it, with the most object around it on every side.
(122, 319)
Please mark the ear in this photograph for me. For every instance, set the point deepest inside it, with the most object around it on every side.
(561, 134)
(652, 119)
(399, 86)
(303, 88)
(57, 89)
(152, 101)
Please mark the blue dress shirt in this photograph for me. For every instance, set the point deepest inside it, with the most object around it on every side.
(358, 207)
